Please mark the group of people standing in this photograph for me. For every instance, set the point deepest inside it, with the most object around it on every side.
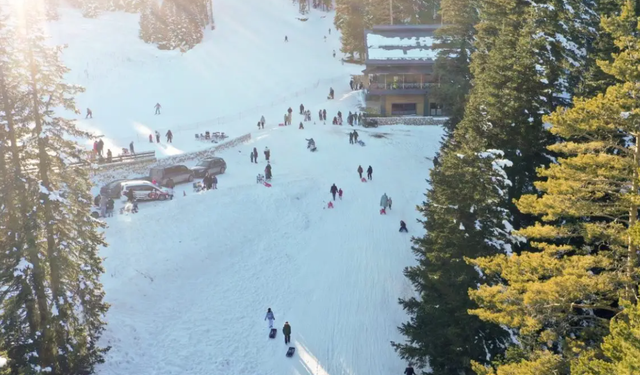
(169, 136)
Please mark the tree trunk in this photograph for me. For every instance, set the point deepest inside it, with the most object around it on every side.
(633, 218)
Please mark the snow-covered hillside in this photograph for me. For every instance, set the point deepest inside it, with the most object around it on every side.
(189, 280)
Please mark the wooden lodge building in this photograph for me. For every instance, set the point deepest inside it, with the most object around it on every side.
(399, 70)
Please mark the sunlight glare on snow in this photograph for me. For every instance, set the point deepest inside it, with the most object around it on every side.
(310, 362)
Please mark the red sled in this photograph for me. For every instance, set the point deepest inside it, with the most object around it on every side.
(267, 184)
(280, 124)
(383, 211)
(330, 205)
(363, 179)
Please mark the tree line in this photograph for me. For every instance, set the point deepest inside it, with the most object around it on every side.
(51, 301)
(529, 264)
(169, 24)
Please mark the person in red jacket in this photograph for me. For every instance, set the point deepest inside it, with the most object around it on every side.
(340, 193)
(360, 170)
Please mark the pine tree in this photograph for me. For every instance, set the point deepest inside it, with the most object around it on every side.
(303, 6)
(350, 20)
(620, 350)
(583, 256)
(90, 8)
(455, 40)
(52, 311)
(462, 213)
(151, 23)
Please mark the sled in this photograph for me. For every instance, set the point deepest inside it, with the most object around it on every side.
(291, 351)
(267, 184)
(361, 143)
(330, 205)
(272, 333)
(363, 179)
(281, 125)
(383, 211)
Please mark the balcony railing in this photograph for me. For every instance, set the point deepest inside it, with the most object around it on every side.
(399, 86)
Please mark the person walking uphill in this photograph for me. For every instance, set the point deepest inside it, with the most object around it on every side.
(169, 136)
(370, 173)
(267, 153)
(334, 191)
(384, 201)
(286, 331)
(157, 107)
(360, 170)
(270, 317)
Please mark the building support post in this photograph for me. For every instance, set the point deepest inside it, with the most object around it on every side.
(390, 12)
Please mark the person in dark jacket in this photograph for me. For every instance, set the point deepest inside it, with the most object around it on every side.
(355, 136)
(409, 371)
(350, 138)
(169, 136)
(334, 191)
(360, 170)
(131, 148)
(324, 115)
(301, 109)
(286, 331)
(129, 195)
(207, 181)
(370, 173)
(267, 171)
(214, 182)
(255, 155)
(403, 227)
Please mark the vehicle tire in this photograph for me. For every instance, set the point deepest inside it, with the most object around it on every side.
(222, 170)
(162, 197)
(191, 177)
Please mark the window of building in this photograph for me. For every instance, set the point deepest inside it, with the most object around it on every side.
(404, 109)
(435, 109)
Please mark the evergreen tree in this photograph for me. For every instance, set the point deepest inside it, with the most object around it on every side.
(303, 6)
(90, 8)
(455, 40)
(583, 257)
(462, 216)
(151, 23)
(350, 20)
(620, 350)
(51, 301)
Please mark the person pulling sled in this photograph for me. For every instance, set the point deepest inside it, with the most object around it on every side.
(270, 317)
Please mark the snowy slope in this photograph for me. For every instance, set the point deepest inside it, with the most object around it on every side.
(189, 280)
(242, 70)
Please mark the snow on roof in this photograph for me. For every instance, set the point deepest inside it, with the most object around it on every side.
(380, 47)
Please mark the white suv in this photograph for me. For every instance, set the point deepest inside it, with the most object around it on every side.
(145, 191)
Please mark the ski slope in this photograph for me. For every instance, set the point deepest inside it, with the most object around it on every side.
(189, 280)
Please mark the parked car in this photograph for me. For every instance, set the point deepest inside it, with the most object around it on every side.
(113, 189)
(145, 191)
(171, 175)
(213, 165)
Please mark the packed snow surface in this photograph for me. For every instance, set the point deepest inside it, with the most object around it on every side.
(189, 280)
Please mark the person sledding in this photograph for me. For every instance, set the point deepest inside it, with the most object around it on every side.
(384, 201)
(311, 144)
(270, 317)
(267, 172)
(403, 227)
(334, 191)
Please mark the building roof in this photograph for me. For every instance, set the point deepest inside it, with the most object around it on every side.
(403, 43)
